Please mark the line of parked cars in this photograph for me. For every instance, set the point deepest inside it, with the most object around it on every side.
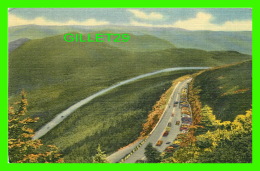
(186, 119)
(185, 122)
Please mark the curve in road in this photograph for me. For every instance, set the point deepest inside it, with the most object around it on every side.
(61, 116)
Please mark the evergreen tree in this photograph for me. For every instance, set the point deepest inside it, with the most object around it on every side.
(152, 154)
(21, 147)
(100, 157)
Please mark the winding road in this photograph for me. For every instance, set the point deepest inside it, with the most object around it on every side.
(158, 131)
(61, 116)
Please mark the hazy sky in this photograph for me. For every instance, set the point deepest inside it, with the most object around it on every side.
(226, 19)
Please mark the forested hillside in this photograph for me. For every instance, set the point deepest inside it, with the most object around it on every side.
(227, 90)
(221, 131)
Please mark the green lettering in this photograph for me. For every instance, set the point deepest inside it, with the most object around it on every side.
(89, 39)
(98, 36)
(66, 36)
(81, 39)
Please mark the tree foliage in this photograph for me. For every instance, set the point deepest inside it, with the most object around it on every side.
(152, 154)
(236, 150)
(22, 148)
(228, 142)
(100, 157)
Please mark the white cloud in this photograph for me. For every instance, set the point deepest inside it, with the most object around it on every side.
(14, 20)
(203, 21)
(142, 15)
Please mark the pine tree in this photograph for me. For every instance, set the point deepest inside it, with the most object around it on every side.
(22, 149)
(100, 157)
(152, 154)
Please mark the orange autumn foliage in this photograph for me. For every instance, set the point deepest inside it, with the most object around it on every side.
(158, 109)
(21, 147)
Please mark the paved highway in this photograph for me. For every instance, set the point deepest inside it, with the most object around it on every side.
(160, 128)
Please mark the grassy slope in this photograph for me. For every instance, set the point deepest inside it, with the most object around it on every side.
(220, 90)
(57, 73)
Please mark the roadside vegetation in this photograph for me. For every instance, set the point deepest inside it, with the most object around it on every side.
(223, 142)
(210, 139)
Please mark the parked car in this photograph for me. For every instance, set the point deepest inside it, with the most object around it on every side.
(159, 143)
(168, 142)
(175, 145)
(177, 141)
(182, 128)
(169, 150)
(185, 115)
(185, 108)
(183, 119)
(166, 133)
(185, 112)
(168, 128)
(184, 105)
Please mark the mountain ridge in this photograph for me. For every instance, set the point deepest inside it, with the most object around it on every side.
(205, 40)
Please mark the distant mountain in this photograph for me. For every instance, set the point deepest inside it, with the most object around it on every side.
(206, 40)
(143, 43)
(240, 41)
(37, 31)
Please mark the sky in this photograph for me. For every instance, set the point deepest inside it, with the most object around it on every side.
(215, 19)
